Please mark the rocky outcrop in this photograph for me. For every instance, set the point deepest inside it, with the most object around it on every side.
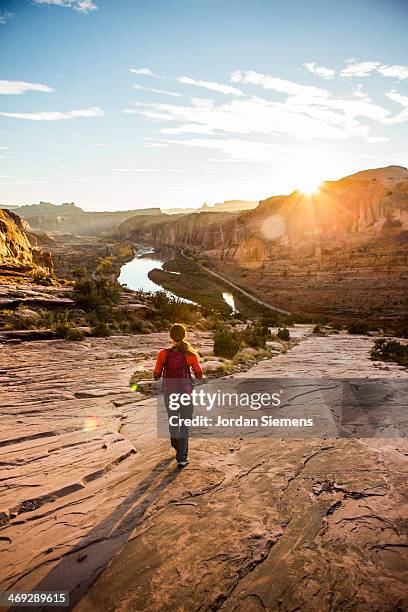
(17, 255)
(15, 249)
(341, 252)
(250, 524)
(72, 219)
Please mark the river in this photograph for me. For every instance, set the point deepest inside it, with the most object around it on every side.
(134, 274)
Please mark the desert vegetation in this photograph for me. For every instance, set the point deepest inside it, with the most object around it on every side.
(389, 349)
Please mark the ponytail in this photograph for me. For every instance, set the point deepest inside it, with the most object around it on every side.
(178, 333)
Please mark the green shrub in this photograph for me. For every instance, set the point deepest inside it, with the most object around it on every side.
(40, 278)
(74, 334)
(173, 309)
(226, 343)
(95, 293)
(358, 327)
(317, 329)
(283, 333)
(387, 349)
(256, 335)
(62, 329)
(101, 330)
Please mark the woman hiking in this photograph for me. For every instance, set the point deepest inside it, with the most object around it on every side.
(174, 365)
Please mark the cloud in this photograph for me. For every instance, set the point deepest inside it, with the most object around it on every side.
(225, 89)
(144, 72)
(401, 117)
(20, 87)
(56, 115)
(82, 6)
(355, 68)
(321, 71)
(275, 83)
(134, 169)
(27, 183)
(236, 149)
(5, 16)
(308, 113)
(158, 91)
(396, 71)
(396, 97)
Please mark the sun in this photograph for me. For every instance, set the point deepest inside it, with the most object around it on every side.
(309, 185)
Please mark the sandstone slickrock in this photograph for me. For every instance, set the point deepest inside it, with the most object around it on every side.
(249, 524)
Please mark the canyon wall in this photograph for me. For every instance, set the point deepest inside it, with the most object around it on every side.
(341, 252)
(72, 219)
(17, 255)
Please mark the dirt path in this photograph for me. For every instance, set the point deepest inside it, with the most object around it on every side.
(249, 524)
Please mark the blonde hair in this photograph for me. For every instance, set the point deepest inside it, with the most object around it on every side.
(178, 334)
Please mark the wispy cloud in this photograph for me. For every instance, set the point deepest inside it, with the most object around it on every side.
(164, 92)
(56, 115)
(135, 170)
(5, 16)
(401, 117)
(277, 84)
(143, 72)
(82, 6)
(27, 183)
(236, 149)
(356, 68)
(306, 113)
(211, 85)
(19, 87)
(396, 71)
(320, 71)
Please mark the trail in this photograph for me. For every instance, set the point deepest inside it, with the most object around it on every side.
(249, 524)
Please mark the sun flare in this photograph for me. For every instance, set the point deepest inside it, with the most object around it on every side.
(309, 185)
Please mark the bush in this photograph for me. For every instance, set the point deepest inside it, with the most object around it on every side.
(172, 309)
(65, 330)
(317, 329)
(74, 334)
(94, 293)
(101, 330)
(358, 327)
(386, 349)
(40, 278)
(226, 343)
(283, 333)
(256, 335)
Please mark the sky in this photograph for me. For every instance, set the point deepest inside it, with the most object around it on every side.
(126, 104)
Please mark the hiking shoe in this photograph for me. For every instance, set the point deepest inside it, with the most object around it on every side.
(183, 463)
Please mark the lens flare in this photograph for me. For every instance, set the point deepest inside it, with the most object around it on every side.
(91, 423)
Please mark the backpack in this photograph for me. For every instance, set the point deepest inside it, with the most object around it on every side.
(176, 373)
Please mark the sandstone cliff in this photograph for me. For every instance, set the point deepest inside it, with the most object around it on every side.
(17, 255)
(341, 252)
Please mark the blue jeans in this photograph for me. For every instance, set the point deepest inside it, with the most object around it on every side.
(179, 433)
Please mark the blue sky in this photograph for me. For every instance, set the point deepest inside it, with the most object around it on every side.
(119, 104)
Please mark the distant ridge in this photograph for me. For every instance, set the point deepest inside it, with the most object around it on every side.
(226, 206)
